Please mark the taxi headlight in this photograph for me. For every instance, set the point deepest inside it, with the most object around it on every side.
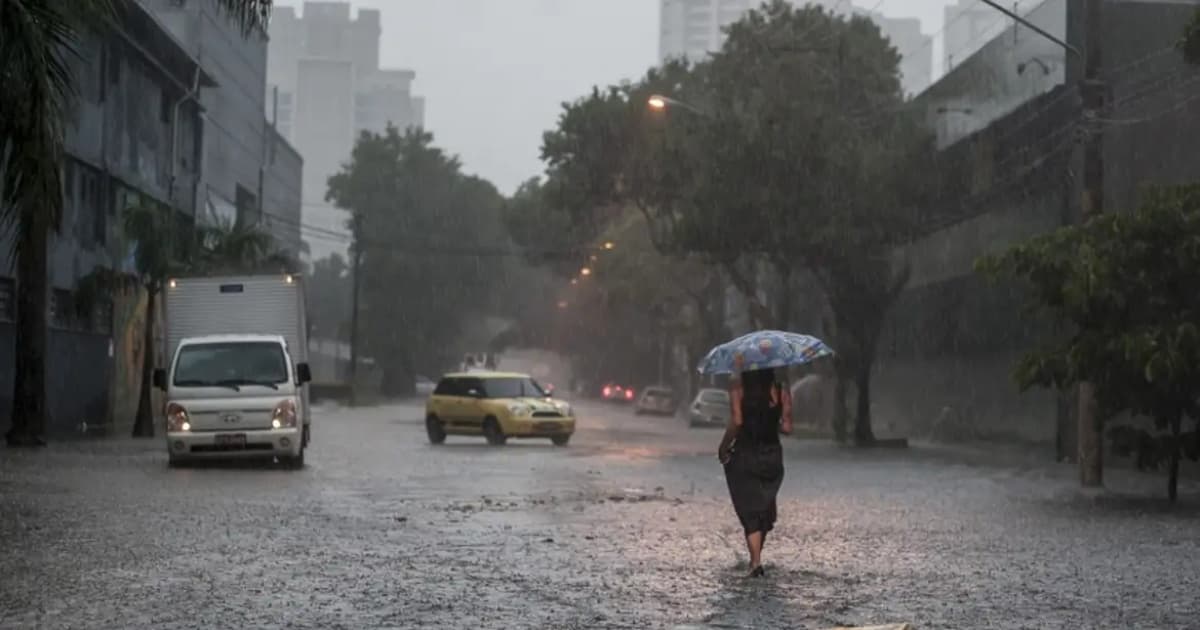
(520, 410)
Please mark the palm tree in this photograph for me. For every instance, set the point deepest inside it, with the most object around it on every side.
(36, 39)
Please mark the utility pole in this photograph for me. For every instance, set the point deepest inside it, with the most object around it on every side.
(354, 300)
(1092, 91)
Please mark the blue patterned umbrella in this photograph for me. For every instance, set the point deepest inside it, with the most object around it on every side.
(762, 350)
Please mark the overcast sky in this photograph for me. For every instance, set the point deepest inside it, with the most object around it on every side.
(495, 72)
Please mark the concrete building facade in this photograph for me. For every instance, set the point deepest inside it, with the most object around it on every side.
(324, 61)
(1013, 156)
(132, 138)
(239, 142)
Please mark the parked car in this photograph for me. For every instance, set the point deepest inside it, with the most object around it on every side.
(617, 393)
(710, 409)
(657, 400)
(497, 406)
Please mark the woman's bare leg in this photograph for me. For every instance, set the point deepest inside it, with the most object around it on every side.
(754, 541)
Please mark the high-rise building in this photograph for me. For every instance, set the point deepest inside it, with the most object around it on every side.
(324, 62)
(695, 28)
(915, 48)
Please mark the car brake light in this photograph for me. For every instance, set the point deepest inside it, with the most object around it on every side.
(629, 394)
(608, 391)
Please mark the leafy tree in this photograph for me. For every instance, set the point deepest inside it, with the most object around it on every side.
(36, 39)
(432, 249)
(1125, 283)
(788, 151)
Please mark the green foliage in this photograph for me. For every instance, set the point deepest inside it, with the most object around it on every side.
(1125, 284)
(432, 248)
(789, 148)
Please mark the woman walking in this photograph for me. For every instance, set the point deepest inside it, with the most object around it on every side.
(753, 455)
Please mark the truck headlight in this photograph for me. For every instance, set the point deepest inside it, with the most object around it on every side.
(177, 418)
(284, 415)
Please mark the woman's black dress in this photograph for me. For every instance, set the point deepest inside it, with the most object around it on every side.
(755, 468)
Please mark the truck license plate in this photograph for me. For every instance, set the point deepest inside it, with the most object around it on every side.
(236, 440)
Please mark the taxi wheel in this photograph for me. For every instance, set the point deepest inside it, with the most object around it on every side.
(560, 440)
(433, 427)
(491, 430)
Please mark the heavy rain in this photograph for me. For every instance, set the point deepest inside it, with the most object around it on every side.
(574, 314)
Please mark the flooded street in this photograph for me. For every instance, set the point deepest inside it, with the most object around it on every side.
(629, 527)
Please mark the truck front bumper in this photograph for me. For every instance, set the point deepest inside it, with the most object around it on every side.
(242, 444)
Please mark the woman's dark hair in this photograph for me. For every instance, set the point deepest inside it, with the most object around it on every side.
(756, 385)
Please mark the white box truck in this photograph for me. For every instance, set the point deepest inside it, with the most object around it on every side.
(237, 375)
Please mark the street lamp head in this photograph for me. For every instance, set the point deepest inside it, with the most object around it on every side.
(657, 102)
(586, 271)
(609, 245)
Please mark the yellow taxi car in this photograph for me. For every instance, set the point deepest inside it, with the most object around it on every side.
(497, 406)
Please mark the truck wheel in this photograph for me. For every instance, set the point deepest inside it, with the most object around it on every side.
(433, 428)
(560, 440)
(295, 462)
(491, 430)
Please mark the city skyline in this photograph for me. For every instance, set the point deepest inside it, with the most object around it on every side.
(481, 63)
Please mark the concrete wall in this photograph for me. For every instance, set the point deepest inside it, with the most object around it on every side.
(1003, 74)
(952, 339)
(281, 194)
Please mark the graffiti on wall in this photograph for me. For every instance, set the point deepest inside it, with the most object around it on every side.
(129, 321)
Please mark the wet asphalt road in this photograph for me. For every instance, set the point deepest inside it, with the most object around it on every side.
(629, 527)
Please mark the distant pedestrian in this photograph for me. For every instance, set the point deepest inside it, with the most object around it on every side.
(753, 456)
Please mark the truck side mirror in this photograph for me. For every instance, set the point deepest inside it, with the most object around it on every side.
(303, 373)
(160, 379)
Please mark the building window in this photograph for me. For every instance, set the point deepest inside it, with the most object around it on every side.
(8, 300)
(62, 308)
(247, 206)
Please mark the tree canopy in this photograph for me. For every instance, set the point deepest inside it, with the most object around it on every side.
(432, 246)
(1124, 283)
(789, 152)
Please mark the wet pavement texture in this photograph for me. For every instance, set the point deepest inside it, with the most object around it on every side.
(629, 527)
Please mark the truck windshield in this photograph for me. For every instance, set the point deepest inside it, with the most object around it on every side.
(231, 364)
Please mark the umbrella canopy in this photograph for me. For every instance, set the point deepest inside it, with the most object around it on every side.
(761, 350)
